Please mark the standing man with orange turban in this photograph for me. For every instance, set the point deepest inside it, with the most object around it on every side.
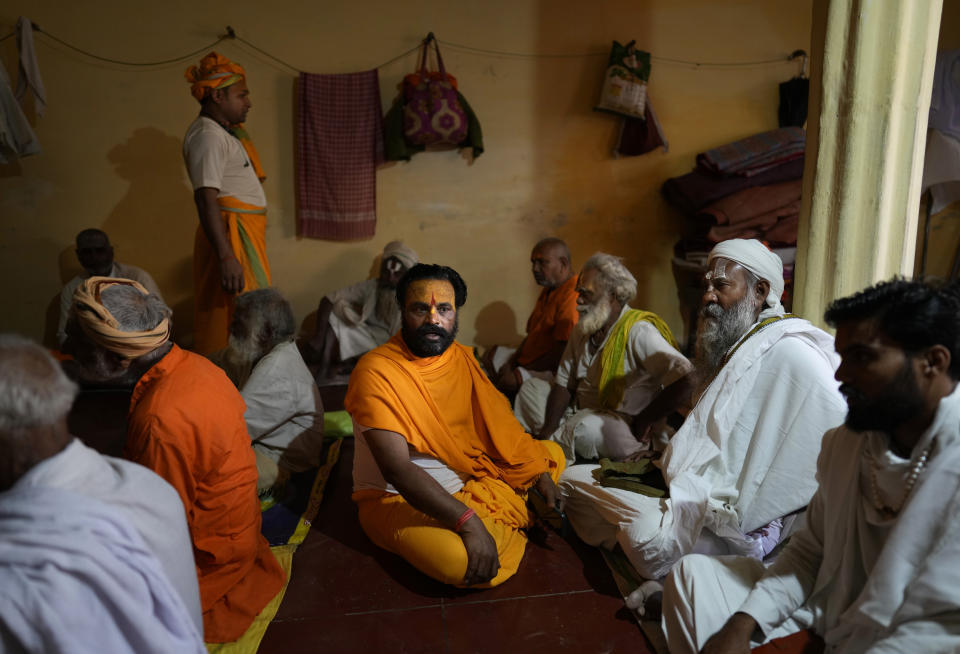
(229, 254)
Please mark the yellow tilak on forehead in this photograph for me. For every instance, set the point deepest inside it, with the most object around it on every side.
(431, 292)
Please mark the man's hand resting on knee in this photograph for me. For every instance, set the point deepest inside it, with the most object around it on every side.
(483, 562)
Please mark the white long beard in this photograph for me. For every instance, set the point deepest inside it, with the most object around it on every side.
(718, 331)
(594, 317)
(239, 358)
(387, 310)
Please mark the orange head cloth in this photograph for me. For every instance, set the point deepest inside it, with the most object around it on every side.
(103, 329)
(214, 72)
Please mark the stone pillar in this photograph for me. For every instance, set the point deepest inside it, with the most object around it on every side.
(869, 99)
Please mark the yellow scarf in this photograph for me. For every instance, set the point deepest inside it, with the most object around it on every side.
(613, 383)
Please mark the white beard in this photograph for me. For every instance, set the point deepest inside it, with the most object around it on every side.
(387, 310)
(594, 317)
(718, 331)
(239, 358)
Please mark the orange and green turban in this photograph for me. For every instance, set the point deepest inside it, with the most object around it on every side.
(214, 72)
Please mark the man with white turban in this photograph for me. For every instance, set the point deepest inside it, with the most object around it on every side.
(358, 318)
(742, 465)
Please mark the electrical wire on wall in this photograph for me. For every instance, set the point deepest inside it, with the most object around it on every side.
(231, 35)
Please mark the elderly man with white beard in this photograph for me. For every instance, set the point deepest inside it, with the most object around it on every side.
(743, 463)
(284, 412)
(620, 371)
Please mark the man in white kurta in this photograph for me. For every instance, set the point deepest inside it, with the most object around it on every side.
(41, 456)
(284, 412)
(875, 569)
(746, 455)
(576, 409)
(355, 319)
(77, 577)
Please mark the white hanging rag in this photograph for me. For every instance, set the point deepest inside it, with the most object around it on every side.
(29, 75)
(17, 138)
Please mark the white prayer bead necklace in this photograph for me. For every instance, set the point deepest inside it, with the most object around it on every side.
(888, 512)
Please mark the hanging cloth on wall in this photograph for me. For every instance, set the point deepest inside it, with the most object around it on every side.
(17, 138)
(28, 78)
(794, 96)
(640, 136)
(339, 146)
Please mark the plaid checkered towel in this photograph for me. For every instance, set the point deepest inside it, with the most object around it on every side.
(340, 144)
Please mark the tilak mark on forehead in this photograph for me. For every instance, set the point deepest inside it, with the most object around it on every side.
(431, 292)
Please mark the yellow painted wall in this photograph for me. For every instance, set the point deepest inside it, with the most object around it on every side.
(112, 135)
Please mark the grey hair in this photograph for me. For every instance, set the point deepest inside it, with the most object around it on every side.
(267, 310)
(614, 276)
(34, 391)
(133, 310)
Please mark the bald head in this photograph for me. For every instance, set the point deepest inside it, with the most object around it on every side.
(550, 261)
(35, 397)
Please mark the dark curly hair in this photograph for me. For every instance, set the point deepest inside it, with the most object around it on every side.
(915, 314)
(432, 271)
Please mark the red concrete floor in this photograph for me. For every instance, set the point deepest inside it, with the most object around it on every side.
(346, 595)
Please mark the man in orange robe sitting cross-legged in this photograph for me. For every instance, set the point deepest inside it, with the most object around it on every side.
(442, 468)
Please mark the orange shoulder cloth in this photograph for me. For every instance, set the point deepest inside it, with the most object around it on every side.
(389, 390)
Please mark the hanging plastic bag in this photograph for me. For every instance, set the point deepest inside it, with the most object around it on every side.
(625, 81)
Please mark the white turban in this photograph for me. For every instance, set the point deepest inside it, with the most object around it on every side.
(758, 259)
(401, 253)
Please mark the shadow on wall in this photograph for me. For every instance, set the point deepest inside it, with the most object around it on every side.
(153, 224)
(496, 323)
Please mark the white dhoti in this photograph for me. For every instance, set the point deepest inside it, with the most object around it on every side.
(356, 339)
(589, 434)
(355, 322)
(648, 529)
(591, 430)
(702, 592)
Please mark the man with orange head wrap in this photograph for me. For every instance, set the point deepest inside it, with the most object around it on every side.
(442, 468)
(186, 423)
(229, 254)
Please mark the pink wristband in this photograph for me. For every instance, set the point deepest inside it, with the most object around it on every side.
(469, 513)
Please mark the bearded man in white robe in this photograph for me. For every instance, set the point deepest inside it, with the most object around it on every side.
(355, 319)
(745, 457)
(876, 567)
(619, 378)
(284, 413)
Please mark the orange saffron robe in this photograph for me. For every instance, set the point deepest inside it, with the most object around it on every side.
(246, 227)
(553, 318)
(186, 424)
(446, 407)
